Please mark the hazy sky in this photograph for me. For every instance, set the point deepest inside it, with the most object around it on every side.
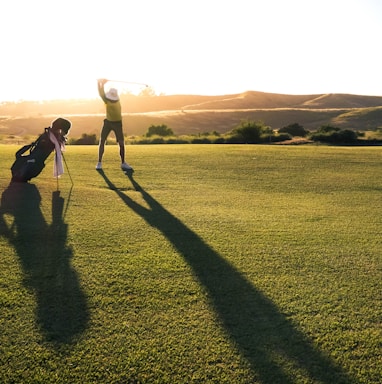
(58, 48)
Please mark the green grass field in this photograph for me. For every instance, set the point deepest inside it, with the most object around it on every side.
(210, 264)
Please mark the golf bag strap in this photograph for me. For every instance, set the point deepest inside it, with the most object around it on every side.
(22, 150)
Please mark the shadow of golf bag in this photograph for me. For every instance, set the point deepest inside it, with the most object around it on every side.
(27, 166)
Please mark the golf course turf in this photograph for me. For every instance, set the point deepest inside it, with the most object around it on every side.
(207, 264)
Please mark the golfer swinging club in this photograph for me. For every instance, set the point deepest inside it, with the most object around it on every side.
(113, 122)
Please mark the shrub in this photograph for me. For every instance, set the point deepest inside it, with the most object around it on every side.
(249, 132)
(346, 136)
(159, 130)
(336, 136)
(176, 141)
(219, 140)
(294, 129)
(234, 139)
(157, 140)
(141, 141)
(201, 140)
(85, 139)
(327, 129)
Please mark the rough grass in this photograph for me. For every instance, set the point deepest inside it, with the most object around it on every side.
(210, 264)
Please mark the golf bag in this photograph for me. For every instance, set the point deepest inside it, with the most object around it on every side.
(27, 166)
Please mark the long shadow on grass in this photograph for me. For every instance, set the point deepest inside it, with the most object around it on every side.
(61, 306)
(265, 337)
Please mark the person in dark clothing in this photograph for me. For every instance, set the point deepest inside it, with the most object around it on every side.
(113, 122)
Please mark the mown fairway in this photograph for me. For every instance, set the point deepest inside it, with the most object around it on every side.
(212, 264)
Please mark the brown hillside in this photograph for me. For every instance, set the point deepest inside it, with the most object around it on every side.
(251, 100)
(367, 118)
(186, 114)
(248, 100)
(140, 104)
(338, 100)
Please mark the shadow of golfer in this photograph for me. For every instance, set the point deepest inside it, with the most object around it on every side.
(267, 340)
(61, 306)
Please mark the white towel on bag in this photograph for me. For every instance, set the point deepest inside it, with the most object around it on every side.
(58, 167)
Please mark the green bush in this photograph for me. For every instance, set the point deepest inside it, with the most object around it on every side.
(159, 130)
(201, 140)
(294, 129)
(250, 132)
(219, 140)
(327, 129)
(85, 139)
(157, 140)
(235, 139)
(346, 136)
(335, 136)
(176, 141)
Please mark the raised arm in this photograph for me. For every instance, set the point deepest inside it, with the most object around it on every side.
(101, 88)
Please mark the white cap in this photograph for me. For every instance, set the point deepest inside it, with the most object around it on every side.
(112, 94)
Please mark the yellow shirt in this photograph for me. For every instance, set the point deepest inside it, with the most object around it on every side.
(113, 108)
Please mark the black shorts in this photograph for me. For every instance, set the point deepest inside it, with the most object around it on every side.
(115, 126)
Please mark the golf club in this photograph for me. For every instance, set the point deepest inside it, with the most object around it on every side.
(66, 164)
(128, 82)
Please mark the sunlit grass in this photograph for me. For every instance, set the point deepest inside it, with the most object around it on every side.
(225, 264)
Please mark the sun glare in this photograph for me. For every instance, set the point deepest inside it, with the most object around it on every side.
(209, 48)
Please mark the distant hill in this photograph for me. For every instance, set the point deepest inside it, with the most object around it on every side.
(254, 100)
(186, 114)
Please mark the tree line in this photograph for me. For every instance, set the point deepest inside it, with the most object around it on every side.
(246, 132)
